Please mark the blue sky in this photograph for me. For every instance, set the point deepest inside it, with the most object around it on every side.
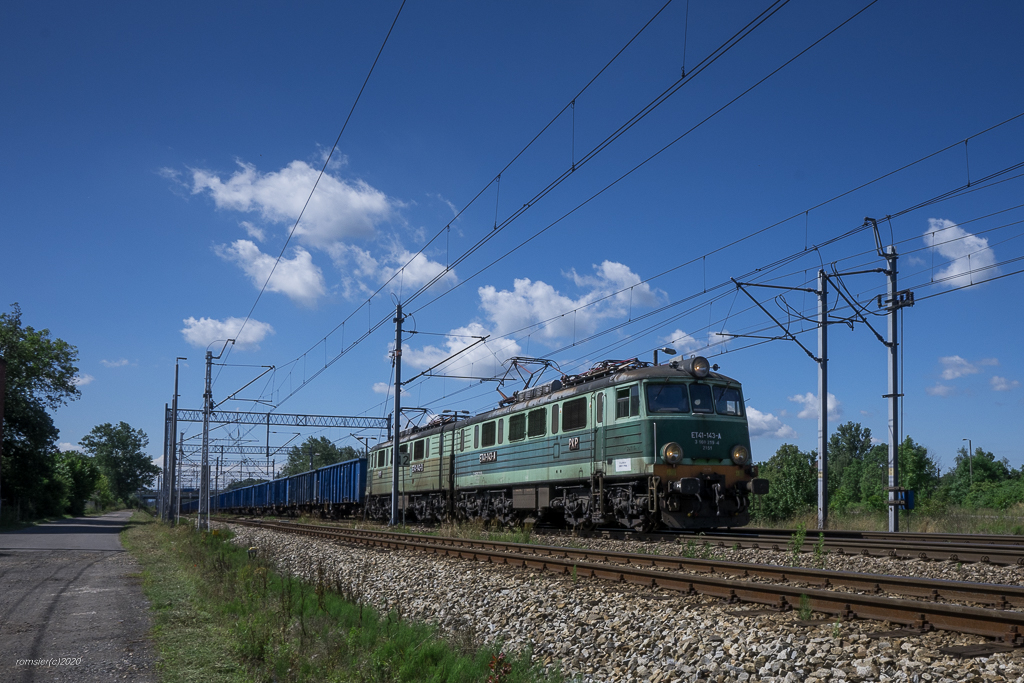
(155, 159)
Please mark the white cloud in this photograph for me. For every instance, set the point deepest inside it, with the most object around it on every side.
(120, 363)
(965, 251)
(810, 411)
(416, 270)
(201, 333)
(766, 424)
(357, 265)
(718, 338)
(254, 231)
(64, 447)
(685, 344)
(682, 342)
(988, 361)
(338, 210)
(955, 366)
(942, 390)
(483, 360)
(531, 302)
(297, 278)
(1003, 384)
(82, 380)
(386, 389)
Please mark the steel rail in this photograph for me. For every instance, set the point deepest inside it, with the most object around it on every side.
(881, 545)
(921, 537)
(923, 615)
(1003, 554)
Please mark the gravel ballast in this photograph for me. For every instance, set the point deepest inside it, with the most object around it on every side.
(601, 631)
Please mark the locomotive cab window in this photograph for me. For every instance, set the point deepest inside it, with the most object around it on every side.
(728, 401)
(536, 419)
(667, 398)
(380, 459)
(490, 434)
(700, 395)
(417, 450)
(574, 414)
(517, 427)
(627, 402)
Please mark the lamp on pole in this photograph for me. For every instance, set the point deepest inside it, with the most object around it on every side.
(970, 458)
(665, 349)
(365, 440)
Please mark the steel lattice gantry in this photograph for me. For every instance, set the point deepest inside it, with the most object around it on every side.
(285, 419)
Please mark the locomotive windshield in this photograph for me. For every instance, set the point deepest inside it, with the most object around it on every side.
(667, 398)
(728, 401)
(702, 398)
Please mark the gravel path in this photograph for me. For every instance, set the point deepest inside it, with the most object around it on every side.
(71, 605)
(599, 631)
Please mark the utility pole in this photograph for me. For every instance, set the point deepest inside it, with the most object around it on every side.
(822, 360)
(216, 485)
(395, 454)
(822, 400)
(203, 522)
(162, 506)
(894, 389)
(172, 466)
(177, 476)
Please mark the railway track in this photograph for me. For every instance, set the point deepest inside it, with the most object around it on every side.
(989, 549)
(734, 581)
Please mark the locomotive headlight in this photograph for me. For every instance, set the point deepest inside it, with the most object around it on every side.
(740, 454)
(698, 366)
(672, 453)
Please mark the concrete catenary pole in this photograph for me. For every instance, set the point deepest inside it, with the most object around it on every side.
(204, 469)
(822, 400)
(894, 388)
(173, 465)
(395, 455)
(163, 508)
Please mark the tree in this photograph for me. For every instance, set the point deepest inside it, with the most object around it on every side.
(119, 454)
(846, 450)
(874, 479)
(41, 375)
(793, 484)
(320, 450)
(918, 471)
(81, 475)
(979, 489)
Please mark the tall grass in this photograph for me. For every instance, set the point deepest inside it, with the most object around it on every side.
(952, 520)
(278, 628)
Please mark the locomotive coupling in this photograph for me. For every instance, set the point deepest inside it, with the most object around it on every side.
(688, 486)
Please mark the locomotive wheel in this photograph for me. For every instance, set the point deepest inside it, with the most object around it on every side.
(585, 528)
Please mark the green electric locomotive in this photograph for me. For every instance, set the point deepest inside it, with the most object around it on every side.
(627, 444)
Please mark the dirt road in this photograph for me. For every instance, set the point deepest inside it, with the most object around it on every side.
(71, 608)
